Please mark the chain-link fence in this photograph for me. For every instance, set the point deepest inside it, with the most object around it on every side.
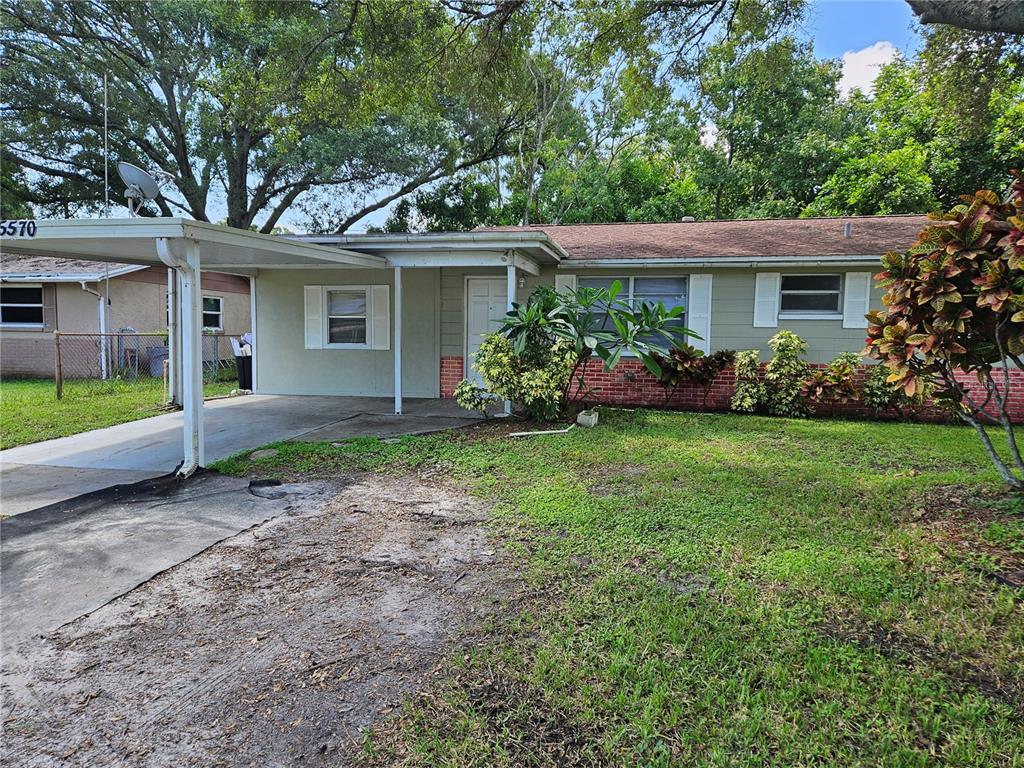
(86, 363)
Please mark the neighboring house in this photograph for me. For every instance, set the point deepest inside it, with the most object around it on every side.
(40, 295)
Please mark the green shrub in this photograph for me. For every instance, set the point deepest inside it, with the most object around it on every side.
(778, 391)
(689, 365)
(834, 383)
(536, 382)
(884, 397)
(473, 397)
(749, 393)
(784, 375)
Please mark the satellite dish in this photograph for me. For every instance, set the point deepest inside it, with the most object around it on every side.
(141, 186)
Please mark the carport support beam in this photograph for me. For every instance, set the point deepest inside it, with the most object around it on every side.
(190, 320)
(398, 341)
(510, 298)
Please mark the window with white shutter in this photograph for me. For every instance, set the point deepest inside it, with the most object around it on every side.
(347, 317)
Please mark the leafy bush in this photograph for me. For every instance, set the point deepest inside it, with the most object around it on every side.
(881, 396)
(594, 322)
(778, 391)
(834, 383)
(955, 304)
(473, 397)
(749, 393)
(784, 375)
(537, 381)
(687, 364)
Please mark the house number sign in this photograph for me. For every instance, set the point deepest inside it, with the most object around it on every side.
(17, 228)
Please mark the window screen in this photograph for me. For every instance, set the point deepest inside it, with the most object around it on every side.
(21, 305)
(346, 316)
(212, 315)
(670, 291)
(815, 294)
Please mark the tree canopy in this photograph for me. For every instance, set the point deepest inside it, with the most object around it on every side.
(454, 113)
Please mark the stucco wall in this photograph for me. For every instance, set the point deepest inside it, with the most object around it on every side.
(732, 310)
(284, 366)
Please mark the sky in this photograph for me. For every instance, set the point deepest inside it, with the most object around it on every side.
(864, 33)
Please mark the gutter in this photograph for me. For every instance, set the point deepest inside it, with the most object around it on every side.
(63, 277)
(735, 262)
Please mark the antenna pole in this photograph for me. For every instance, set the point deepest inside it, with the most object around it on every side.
(106, 158)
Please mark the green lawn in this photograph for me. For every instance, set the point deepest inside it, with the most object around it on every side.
(723, 590)
(30, 411)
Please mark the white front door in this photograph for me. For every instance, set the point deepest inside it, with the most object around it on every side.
(486, 305)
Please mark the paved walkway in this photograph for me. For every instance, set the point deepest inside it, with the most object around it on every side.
(36, 475)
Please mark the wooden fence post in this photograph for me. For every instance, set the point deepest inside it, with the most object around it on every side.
(58, 371)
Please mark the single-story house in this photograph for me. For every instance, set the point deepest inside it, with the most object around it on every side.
(42, 294)
(400, 315)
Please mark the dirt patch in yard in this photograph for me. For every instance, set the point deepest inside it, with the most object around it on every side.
(984, 530)
(280, 646)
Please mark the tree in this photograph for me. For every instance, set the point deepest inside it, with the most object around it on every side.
(14, 194)
(259, 106)
(955, 306)
(454, 205)
(951, 120)
(777, 124)
(989, 16)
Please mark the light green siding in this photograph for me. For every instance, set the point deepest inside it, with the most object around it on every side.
(284, 366)
(732, 310)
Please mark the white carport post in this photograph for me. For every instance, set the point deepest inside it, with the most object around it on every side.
(510, 297)
(398, 341)
(190, 318)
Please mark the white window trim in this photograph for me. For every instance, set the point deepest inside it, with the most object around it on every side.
(326, 320)
(25, 326)
(810, 315)
(219, 313)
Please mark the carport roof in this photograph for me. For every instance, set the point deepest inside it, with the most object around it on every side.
(133, 241)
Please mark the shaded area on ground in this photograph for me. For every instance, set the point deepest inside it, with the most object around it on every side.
(151, 447)
(62, 561)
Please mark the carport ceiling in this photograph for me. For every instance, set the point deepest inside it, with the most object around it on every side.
(133, 241)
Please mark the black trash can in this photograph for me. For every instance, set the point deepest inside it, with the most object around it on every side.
(244, 365)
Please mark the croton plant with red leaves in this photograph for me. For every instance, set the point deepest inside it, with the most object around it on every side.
(955, 303)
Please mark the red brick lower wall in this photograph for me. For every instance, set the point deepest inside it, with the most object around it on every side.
(453, 370)
(630, 384)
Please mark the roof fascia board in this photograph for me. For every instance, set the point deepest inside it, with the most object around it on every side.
(214, 233)
(447, 241)
(67, 277)
(465, 259)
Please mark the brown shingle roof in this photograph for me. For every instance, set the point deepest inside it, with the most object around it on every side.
(42, 267)
(753, 238)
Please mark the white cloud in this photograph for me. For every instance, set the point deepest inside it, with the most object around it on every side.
(708, 134)
(860, 68)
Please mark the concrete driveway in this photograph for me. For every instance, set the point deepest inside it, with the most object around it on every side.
(33, 476)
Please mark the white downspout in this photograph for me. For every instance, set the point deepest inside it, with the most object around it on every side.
(398, 341)
(191, 350)
(173, 380)
(101, 323)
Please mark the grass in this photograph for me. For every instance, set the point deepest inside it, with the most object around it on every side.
(723, 590)
(30, 411)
